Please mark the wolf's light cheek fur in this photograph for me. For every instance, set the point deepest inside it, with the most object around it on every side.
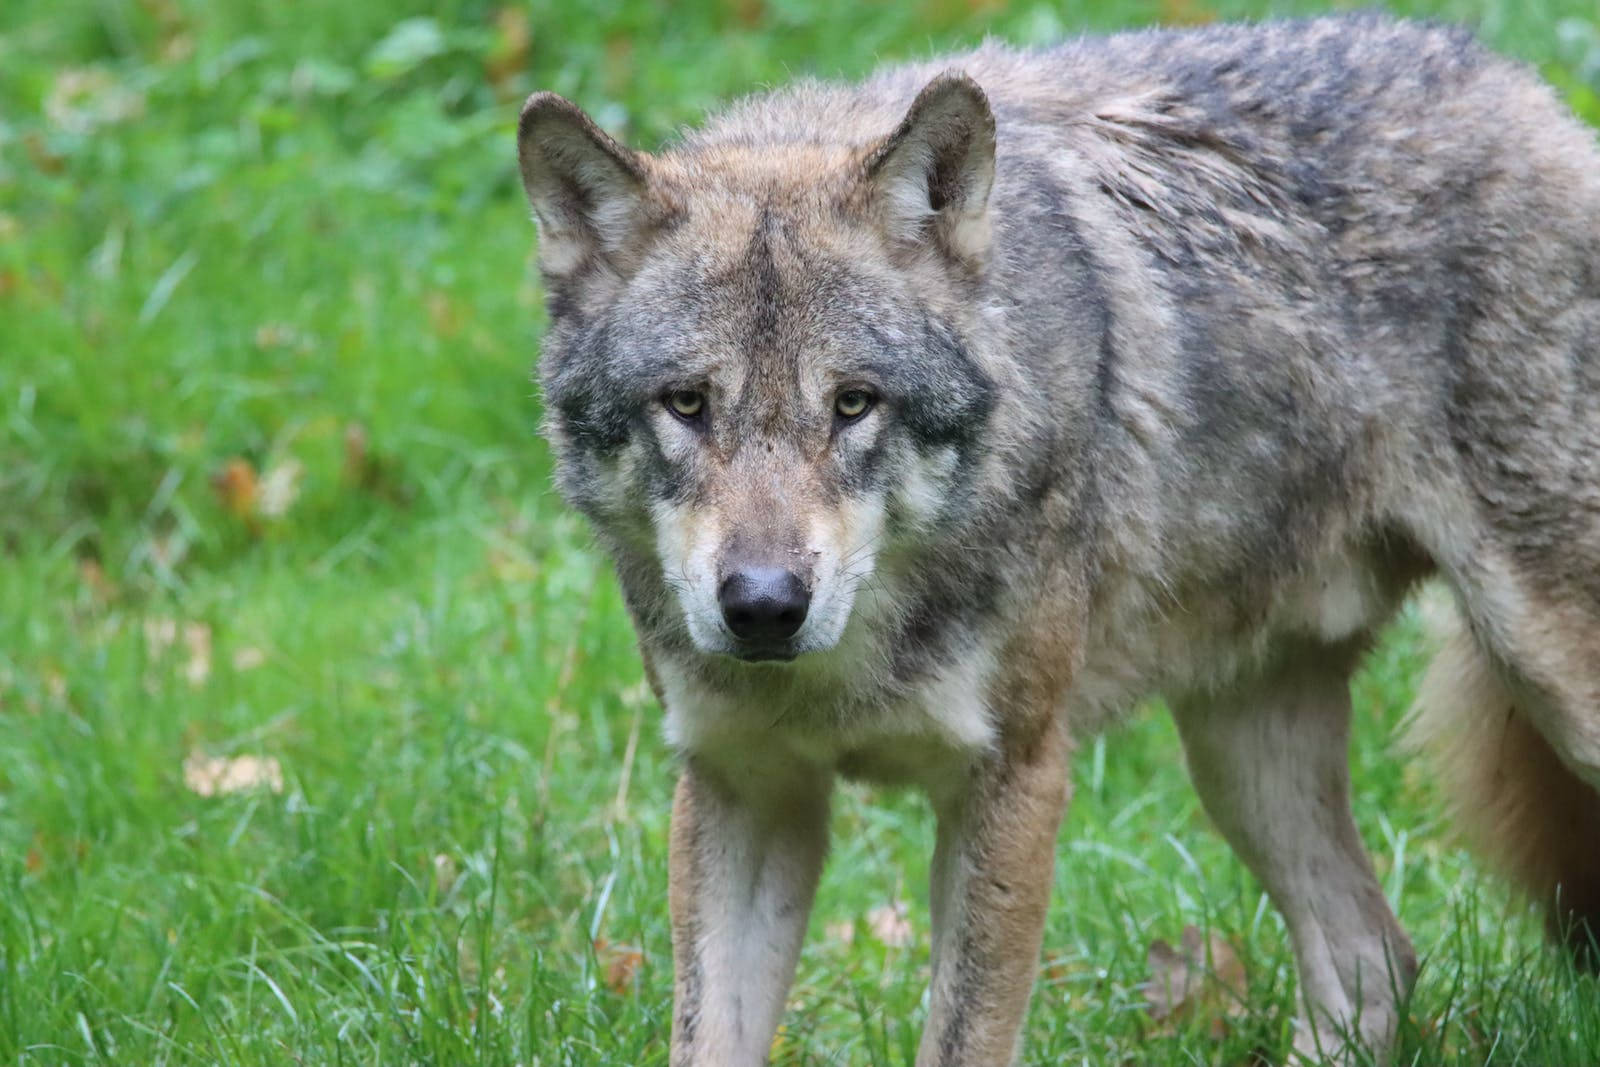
(1196, 351)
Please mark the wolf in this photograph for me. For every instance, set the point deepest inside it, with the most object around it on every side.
(934, 421)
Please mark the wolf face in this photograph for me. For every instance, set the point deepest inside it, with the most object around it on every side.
(761, 379)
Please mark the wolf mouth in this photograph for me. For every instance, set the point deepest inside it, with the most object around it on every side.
(765, 654)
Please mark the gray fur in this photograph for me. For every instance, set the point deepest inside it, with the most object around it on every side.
(1255, 327)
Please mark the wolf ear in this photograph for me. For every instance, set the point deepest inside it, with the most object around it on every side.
(932, 175)
(587, 191)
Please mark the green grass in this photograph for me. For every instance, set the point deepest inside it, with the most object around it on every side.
(249, 237)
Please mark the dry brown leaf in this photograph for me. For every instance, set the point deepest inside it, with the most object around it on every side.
(749, 13)
(220, 775)
(41, 155)
(621, 964)
(889, 925)
(237, 487)
(1201, 979)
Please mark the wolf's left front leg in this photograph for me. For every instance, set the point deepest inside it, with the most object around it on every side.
(747, 847)
(992, 870)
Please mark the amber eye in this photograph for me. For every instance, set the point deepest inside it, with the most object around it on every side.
(852, 404)
(686, 403)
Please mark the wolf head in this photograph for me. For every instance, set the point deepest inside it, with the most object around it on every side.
(760, 373)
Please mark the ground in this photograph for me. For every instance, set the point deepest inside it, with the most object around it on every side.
(322, 734)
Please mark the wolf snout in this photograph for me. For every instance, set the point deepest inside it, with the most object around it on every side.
(764, 605)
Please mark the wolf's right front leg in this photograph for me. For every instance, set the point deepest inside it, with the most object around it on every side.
(747, 848)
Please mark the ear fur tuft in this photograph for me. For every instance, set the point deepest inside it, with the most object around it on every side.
(934, 172)
(587, 191)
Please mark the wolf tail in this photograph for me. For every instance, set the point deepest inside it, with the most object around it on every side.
(1513, 798)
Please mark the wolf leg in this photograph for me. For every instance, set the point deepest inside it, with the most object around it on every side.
(746, 852)
(992, 869)
(1271, 767)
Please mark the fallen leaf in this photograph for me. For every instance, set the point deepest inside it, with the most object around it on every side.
(889, 925)
(47, 159)
(621, 964)
(220, 775)
(749, 12)
(236, 486)
(280, 486)
(1203, 980)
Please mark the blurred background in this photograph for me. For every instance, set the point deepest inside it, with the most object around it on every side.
(322, 736)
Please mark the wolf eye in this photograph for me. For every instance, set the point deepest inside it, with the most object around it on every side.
(852, 404)
(686, 403)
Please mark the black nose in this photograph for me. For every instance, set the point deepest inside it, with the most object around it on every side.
(764, 604)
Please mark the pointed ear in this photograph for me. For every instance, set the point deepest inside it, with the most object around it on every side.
(588, 192)
(932, 175)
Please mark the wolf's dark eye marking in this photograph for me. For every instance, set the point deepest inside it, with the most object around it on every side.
(687, 404)
(852, 404)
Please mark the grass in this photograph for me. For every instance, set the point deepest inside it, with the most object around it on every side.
(270, 487)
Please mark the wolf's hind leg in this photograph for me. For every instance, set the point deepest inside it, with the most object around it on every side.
(1270, 763)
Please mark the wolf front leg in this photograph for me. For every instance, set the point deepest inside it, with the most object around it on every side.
(992, 870)
(747, 847)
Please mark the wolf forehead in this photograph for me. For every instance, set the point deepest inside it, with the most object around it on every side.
(769, 312)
